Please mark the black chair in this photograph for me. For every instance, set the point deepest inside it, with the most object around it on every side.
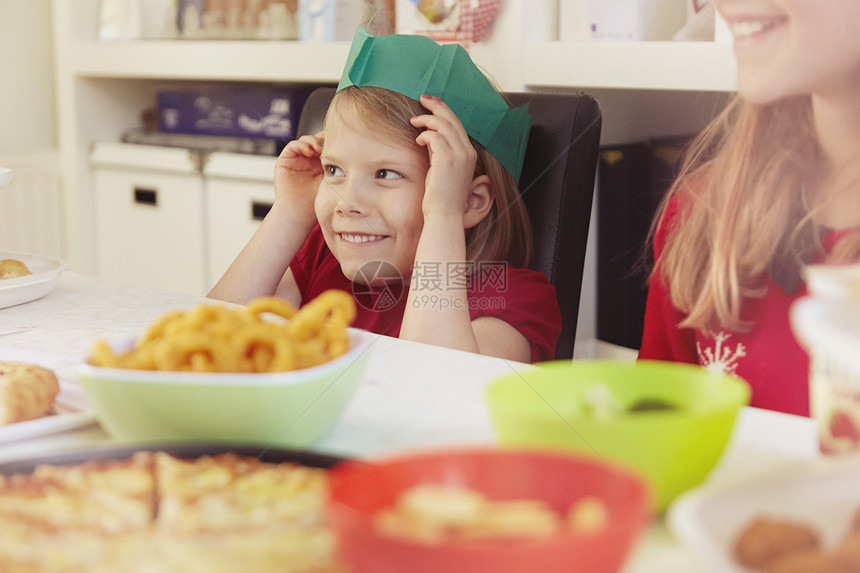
(557, 185)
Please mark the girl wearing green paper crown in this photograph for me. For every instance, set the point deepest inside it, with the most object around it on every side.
(408, 200)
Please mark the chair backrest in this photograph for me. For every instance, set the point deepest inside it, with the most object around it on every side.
(557, 185)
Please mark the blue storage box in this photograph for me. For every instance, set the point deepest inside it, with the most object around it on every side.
(258, 113)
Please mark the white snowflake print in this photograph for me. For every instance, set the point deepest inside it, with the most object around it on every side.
(721, 357)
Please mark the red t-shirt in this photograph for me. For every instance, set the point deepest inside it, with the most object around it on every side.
(768, 357)
(521, 297)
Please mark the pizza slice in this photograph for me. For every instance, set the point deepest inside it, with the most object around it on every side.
(228, 492)
(155, 512)
(60, 518)
(254, 515)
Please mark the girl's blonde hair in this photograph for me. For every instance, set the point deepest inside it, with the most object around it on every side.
(741, 207)
(505, 233)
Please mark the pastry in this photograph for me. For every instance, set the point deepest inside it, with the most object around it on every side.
(27, 391)
(13, 268)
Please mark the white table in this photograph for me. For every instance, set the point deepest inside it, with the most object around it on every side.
(413, 395)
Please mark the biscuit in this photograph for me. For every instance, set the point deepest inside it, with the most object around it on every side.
(808, 561)
(849, 550)
(27, 391)
(766, 540)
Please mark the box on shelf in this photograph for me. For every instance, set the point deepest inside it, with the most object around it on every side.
(136, 19)
(237, 19)
(328, 20)
(438, 19)
(198, 19)
(205, 143)
(462, 21)
(336, 20)
(255, 113)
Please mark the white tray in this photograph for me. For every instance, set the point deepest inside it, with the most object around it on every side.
(47, 272)
(823, 493)
(71, 409)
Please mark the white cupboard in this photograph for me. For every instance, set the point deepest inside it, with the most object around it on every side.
(148, 216)
(238, 195)
(172, 219)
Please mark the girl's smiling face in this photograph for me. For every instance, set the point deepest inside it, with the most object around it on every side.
(795, 47)
(369, 202)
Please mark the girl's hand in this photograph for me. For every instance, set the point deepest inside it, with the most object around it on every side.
(298, 174)
(452, 158)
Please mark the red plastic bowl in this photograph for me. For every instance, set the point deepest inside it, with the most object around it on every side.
(359, 489)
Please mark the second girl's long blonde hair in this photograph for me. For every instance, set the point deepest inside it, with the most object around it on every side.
(741, 206)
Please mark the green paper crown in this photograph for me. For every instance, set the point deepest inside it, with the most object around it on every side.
(416, 65)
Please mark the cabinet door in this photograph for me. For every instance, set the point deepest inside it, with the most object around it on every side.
(149, 228)
(234, 209)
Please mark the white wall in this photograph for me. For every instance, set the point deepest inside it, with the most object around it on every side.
(27, 113)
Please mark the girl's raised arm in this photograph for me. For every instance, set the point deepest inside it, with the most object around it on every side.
(454, 200)
(262, 267)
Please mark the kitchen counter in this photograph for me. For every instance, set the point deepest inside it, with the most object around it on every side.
(413, 395)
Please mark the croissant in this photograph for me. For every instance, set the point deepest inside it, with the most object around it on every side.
(27, 391)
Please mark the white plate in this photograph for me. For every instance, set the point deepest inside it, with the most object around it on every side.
(823, 493)
(71, 408)
(71, 412)
(47, 272)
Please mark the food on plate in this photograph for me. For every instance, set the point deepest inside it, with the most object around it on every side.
(13, 268)
(849, 549)
(588, 515)
(27, 391)
(766, 539)
(433, 513)
(855, 522)
(652, 405)
(603, 404)
(268, 335)
(775, 545)
(156, 512)
(807, 561)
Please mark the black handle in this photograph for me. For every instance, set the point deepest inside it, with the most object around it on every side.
(259, 210)
(144, 196)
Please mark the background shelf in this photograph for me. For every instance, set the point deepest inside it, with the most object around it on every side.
(211, 61)
(691, 66)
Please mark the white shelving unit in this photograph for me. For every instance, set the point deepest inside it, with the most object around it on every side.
(209, 61)
(103, 86)
(686, 66)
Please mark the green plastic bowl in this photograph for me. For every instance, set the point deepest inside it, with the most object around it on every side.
(291, 409)
(553, 406)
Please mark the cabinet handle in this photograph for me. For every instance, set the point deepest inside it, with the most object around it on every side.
(145, 196)
(259, 210)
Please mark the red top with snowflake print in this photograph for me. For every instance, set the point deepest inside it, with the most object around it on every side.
(768, 357)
